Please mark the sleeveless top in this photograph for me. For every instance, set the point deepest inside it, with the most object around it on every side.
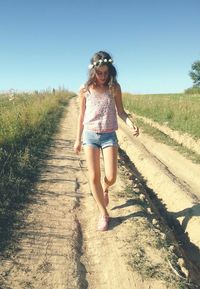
(100, 114)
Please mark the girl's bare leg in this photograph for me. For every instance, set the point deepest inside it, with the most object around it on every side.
(110, 164)
(93, 163)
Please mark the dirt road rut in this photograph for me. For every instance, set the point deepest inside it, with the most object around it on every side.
(59, 246)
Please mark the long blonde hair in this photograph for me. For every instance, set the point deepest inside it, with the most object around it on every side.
(99, 59)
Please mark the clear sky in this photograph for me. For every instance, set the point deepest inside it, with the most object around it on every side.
(47, 44)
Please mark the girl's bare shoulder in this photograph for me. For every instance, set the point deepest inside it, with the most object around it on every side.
(85, 89)
(82, 90)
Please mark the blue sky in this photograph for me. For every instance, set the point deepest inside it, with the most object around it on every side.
(48, 43)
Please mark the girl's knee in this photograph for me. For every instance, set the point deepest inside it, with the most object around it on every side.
(110, 180)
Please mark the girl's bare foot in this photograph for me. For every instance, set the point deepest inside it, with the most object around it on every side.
(103, 223)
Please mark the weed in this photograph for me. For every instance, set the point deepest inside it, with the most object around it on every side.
(161, 137)
(180, 111)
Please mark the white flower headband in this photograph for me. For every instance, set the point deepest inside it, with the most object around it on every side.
(95, 63)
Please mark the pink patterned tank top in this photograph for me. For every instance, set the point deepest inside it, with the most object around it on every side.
(100, 114)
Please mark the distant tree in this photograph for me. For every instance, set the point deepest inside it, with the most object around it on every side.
(195, 73)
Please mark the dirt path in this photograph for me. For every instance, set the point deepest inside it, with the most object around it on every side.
(173, 178)
(59, 246)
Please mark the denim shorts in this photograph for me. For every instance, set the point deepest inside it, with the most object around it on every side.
(100, 140)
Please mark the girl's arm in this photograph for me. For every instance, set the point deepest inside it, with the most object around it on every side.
(77, 145)
(121, 112)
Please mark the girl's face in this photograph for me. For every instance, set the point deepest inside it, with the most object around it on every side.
(102, 74)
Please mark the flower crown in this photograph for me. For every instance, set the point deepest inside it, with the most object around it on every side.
(96, 63)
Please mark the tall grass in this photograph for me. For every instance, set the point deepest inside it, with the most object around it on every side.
(179, 111)
(27, 123)
(193, 90)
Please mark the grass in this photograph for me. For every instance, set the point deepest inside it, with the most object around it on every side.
(27, 123)
(150, 254)
(146, 243)
(179, 111)
(161, 137)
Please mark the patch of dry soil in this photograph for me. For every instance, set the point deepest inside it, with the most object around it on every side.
(59, 246)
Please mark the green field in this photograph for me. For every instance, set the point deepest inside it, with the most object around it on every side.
(178, 111)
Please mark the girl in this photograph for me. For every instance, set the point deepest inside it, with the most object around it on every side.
(100, 98)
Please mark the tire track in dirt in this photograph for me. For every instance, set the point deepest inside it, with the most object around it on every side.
(59, 246)
(174, 181)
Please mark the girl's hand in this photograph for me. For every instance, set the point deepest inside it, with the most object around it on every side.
(135, 130)
(77, 147)
(131, 125)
